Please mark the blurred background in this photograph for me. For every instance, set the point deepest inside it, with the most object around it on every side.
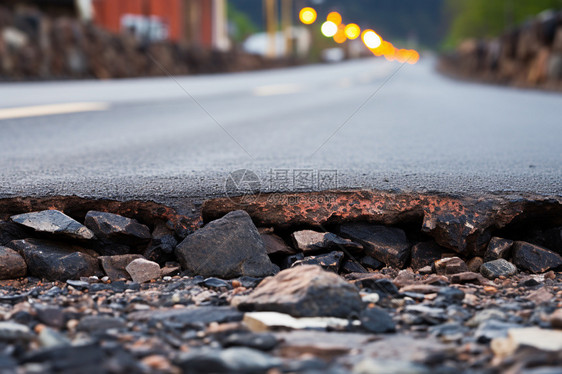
(509, 41)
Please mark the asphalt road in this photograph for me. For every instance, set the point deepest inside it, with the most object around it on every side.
(369, 123)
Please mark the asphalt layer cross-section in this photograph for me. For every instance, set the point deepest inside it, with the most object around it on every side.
(182, 136)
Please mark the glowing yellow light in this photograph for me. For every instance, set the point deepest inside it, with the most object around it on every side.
(329, 29)
(335, 17)
(387, 50)
(371, 39)
(308, 16)
(352, 31)
(340, 36)
(390, 55)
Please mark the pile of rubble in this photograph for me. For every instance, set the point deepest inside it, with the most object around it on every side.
(529, 56)
(36, 46)
(170, 294)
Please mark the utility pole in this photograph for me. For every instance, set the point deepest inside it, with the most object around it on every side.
(287, 22)
(271, 26)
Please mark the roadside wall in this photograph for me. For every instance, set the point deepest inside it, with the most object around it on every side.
(529, 56)
(34, 46)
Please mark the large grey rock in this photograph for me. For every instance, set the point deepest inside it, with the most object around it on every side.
(534, 258)
(497, 268)
(117, 229)
(386, 244)
(12, 265)
(304, 291)
(55, 261)
(228, 247)
(54, 222)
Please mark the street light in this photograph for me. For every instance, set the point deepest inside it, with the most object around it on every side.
(308, 16)
(334, 17)
(329, 29)
(352, 31)
(371, 39)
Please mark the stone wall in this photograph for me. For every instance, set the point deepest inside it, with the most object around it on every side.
(528, 56)
(34, 46)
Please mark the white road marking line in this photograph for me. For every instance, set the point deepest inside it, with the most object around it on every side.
(46, 110)
(277, 89)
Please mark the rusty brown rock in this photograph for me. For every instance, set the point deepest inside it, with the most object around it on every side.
(540, 296)
(459, 223)
(450, 265)
(474, 264)
(556, 319)
(404, 278)
(469, 277)
(421, 288)
(498, 248)
(12, 264)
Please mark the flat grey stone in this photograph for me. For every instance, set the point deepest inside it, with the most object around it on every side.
(497, 268)
(54, 222)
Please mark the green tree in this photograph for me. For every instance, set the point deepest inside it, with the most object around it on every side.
(240, 24)
(487, 18)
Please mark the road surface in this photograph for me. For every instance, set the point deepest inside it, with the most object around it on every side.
(370, 123)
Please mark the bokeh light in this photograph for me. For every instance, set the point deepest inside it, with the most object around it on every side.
(352, 31)
(340, 36)
(329, 29)
(308, 16)
(335, 17)
(371, 39)
(402, 55)
(414, 57)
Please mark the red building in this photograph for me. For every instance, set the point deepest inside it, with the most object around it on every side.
(197, 22)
